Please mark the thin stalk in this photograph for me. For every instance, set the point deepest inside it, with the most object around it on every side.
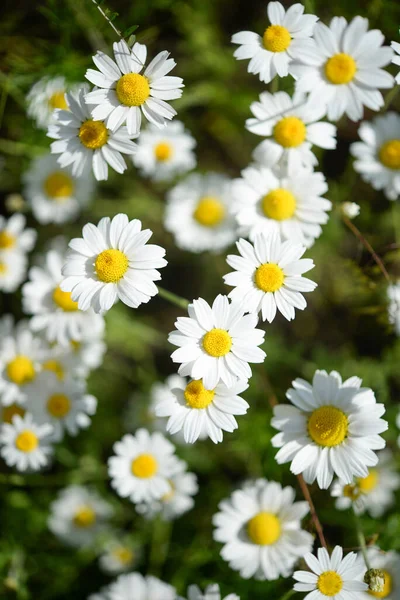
(159, 545)
(390, 96)
(361, 539)
(117, 31)
(173, 298)
(367, 245)
(313, 512)
(288, 594)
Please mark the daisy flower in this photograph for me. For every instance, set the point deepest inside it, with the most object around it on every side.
(396, 59)
(290, 204)
(343, 70)
(88, 352)
(216, 343)
(54, 194)
(331, 576)
(120, 554)
(389, 562)
(393, 293)
(125, 94)
(198, 213)
(212, 591)
(268, 276)
(142, 465)
(350, 209)
(292, 126)
(44, 97)
(287, 38)
(8, 412)
(378, 154)
(15, 236)
(25, 445)
(13, 266)
(84, 144)
(333, 428)
(134, 585)
(112, 262)
(196, 410)
(163, 154)
(259, 526)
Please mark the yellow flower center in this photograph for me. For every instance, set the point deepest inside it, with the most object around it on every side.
(351, 491)
(217, 342)
(279, 204)
(209, 212)
(75, 345)
(264, 529)
(56, 367)
(58, 186)
(340, 68)
(93, 134)
(63, 300)
(290, 132)
(144, 466)
(269, 277)
(26, 441)
(163, 151)
(57, 100)
(111, 265)
(387, 587)
(133, 89)
(123, 555)
(327, 426)
(21, 370)
(276, 38)
(84, 517)
(389, 154)
(8, 412)
(368, 483)
(58, 405)
(3, 268)
(329, 583)
(197, 396)
(6, 240)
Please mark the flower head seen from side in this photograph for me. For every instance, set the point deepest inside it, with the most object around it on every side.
(124, 94)
(285, 39)
(344, 69)
(15, 237)
(393, 294)
(351, 210)
(259, 526)
(119, 555)
(331, 576)
(216, 343)
(13, 267)
(330, 427)
(389, 563)
(112, 261)
(396, 58)
(84, 144)
(135, 585)
(44, 97)
(24, 444)
(211, 592)
(198, 213)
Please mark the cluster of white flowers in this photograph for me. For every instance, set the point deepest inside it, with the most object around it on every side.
(16, 240)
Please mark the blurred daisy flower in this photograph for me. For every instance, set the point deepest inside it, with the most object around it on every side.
(389, 563)
(135, 585)
(350, 209)
(393, 293)
(15, 236)
(8, 412)
(24, 444)
(396, 58)
(210, 593)
(119, 555)
(44, 97)
(13, 266)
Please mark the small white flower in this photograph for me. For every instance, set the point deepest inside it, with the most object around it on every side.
(217, 343)
(333, 427)
(259, 526)
(8, 412)
(211, 592)
(14, 236)
(112, 262)
(25, 445)
(331, 576)
(120, 554)
(393, 293)
(350, 209)
(343, 70)
(124, 94)
(13, 267)
(396, 58)
(389, 562)
(198, 213)
(44, 97)
(136, 587)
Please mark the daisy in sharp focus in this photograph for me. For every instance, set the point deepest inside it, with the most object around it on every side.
(389, 562)
(44, 97)
(378, 154)
(268, 276)
(84, 144)
(135, 586)
(123, 94)
(290, 203)
(217, 343)
(344, 71)
(112, 262)
(331, 576)
(396, 58)
(210, 593)
(119, 555)
(15, 236)
(260, 528)
(24, 444)
(198, 213)
(13, 267)
(333, 428)
(284, 40)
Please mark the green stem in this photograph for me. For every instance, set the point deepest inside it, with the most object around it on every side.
(288, 595)
(19, 148)
(159, 544)
(390, 96)
(361, 539)
(173, 298)
(117, 31)
(274, 85)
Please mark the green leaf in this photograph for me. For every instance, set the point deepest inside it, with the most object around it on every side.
(130, 30)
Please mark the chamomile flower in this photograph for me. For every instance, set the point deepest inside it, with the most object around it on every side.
(142, 466)
(112, 262)
(44, 97)
(15, 236)
(8, 412)
(378, 154)
(396, 58)
(331, 576)
(135, 586)
(290, 203)
(287, 38)
(333, 428)
(85, 144)
(13, 267)
(216, 344)
(198, 213)
(119, 555)
(196, 410)
(292, 126)
(210, 593)
(163, 154)
(259, 526)
(344, 69)
(393, 293)
(88, 352)
(53, 193)
(78, 515)
(25, 445)
(351, 210)
(389, 562)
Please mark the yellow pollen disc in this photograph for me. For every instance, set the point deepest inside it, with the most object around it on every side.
(21, 370)
(144, 466)
(3, 268)
(133, 89)
(264, 529)
(93, 134)
(387, 587)
(84, 517)
(8, 412)
(269, 277)
(111, 265)
(123, 555)
(56, 367)
(389, 155)
(329, 583)
(276, 38)
(26, 441)
(6, 240)
(368, 483)
(351, 491)
(63, 300)
(340, 68)
(290, 132)
(58, 405)
(327, 426)
(209, 211)
(57, 100)
(279, 204)
(163, 151)
(58, 185)
(197, 396)
(217, 342)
